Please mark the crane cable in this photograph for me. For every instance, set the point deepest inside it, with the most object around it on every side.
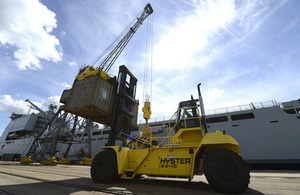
(147, 95)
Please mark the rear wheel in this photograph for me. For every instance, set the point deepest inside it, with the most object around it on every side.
(226, 171)
(104, 167)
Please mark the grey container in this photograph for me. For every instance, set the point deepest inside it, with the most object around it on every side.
(92, 98)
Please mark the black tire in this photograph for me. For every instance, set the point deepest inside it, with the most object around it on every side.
(104, 167)
(137, 177)
(226, 171)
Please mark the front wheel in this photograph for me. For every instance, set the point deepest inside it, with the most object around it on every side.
(226, 171)
(104, 167)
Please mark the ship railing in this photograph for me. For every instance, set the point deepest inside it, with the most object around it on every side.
(243, 107)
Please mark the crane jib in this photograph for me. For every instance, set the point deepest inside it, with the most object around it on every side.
(104, 66)
(149, 9)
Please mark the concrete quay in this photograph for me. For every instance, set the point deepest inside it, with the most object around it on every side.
(73, 179)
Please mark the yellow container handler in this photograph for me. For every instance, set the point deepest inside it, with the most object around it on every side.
(187, 153)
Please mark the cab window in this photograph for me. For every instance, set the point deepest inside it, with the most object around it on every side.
(191, 112)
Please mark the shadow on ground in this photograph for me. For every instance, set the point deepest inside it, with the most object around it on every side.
(87, 186)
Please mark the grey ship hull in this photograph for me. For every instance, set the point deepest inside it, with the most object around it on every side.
(19, 147)
(266, 134)
(20, 133)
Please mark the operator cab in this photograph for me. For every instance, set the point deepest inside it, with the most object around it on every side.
(188, 115)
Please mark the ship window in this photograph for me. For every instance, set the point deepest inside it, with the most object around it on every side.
(290, 111)
(97, 133)
(155, 125)
(217, 119)
(242, 116)
(85, 134)
(105, 132)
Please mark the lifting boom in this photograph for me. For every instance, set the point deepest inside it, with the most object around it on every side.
(107, 63)
(100, 98)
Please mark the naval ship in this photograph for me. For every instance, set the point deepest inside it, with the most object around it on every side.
(21, 131)
(268, 132)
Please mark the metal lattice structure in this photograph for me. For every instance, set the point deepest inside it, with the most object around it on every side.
(64, 128)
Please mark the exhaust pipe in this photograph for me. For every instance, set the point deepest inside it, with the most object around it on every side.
(202, 108)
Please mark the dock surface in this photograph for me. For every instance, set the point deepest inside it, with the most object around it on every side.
(73, 179)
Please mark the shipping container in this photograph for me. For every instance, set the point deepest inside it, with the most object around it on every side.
(92, 98)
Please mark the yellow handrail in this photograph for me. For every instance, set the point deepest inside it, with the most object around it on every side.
(170, 129)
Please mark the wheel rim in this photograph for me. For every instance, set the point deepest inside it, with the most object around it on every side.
(226, 170)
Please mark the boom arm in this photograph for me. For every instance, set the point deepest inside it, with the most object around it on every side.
(107, 63)
(114, 54)
(38, 109)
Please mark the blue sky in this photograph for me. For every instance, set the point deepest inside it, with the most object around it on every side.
(241, 51)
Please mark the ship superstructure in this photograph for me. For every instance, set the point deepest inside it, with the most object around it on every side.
(20, 133)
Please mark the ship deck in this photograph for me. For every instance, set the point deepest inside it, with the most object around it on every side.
(73, 179)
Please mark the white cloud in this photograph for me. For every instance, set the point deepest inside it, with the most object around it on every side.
(249, 15)
(187, 52)
(179, 46)
(63, 33)
(182, 48)
(9, 105)
(26, 25)
(72, 63)
(51, 100)
(65, 85)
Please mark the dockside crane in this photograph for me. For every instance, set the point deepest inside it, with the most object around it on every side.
(117, 106)
(95, 96)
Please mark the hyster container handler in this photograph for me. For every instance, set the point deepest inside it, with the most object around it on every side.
(187, 153)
